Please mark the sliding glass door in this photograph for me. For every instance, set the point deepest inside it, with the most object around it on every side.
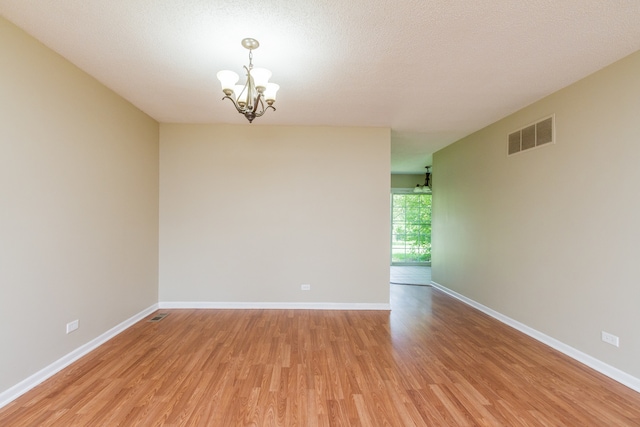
(410, 228)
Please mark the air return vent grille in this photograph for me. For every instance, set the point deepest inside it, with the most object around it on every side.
(531, 136)
(158, 317)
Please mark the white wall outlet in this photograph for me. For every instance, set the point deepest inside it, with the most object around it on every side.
(305, 287)
(610, 339)
(72, 326)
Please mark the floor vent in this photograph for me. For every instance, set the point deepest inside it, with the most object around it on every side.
(158, 317)
(532, 136)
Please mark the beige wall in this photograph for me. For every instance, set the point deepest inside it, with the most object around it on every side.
(78, 207)
(249, 213)
(549, 237)
(406, 181)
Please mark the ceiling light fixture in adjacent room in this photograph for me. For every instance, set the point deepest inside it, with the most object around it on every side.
(249, 99)
(426, 188)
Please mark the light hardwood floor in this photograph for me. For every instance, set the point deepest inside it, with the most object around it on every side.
(432, 361)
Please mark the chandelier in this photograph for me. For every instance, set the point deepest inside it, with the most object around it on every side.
(426, 188)
(249, 99)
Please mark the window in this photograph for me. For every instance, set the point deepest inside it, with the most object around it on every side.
(410, 228)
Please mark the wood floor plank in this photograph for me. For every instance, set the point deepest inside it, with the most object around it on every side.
(432, 361)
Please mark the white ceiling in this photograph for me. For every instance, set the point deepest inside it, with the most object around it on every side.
(431, 70)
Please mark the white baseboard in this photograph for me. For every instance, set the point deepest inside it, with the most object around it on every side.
(596, 364)
(27, 384)
(276, 305)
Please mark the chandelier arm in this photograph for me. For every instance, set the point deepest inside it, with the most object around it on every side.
(235, 104)
(264, 110)
(258, 102)
(261, 103)
(250, 88)
(250, 114)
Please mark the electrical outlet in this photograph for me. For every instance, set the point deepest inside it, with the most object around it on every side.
(610, 339)
(72, 326)
(305, 287)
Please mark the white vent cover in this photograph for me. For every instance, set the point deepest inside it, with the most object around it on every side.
(532, 136)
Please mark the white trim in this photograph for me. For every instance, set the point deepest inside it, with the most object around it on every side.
(596, 364)
(275, 305)
(27, 384)
(411, 264)
(399, 190)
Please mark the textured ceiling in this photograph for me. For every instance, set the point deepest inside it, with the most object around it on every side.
(431, 70)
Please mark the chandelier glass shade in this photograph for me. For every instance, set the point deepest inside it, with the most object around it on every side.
(257, 95)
